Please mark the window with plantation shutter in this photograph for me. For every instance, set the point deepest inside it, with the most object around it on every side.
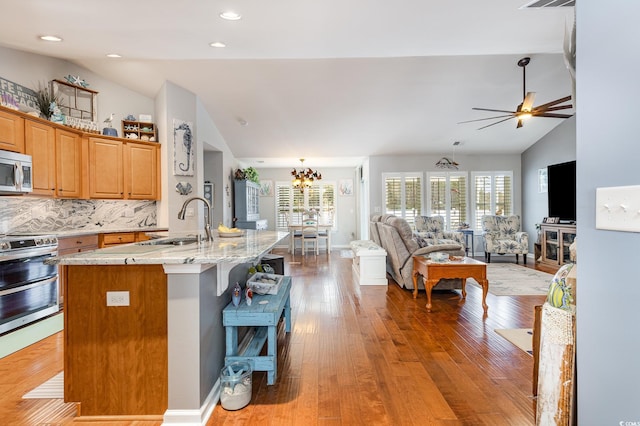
(447, 195)
(291, 203)
(403, 195)
(492, 195)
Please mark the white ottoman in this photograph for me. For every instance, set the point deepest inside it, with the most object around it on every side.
(369, 263)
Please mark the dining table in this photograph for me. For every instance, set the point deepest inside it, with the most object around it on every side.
(322, 230)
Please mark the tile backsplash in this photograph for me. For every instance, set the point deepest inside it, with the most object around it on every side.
(42, 215)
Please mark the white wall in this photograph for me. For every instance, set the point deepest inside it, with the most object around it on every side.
(29, 70)
(346, 220)
(607, 154)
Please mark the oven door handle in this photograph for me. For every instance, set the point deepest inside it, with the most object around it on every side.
(33, 252)
(28, 286)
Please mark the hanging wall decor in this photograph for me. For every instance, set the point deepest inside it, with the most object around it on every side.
(183, 148)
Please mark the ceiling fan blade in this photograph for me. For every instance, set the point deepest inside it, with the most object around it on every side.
(555, 108)
(546, 114)
(494, 110)
(493, 124)
(520, 124)
(527, 103)
(552, 103)
(482, 119)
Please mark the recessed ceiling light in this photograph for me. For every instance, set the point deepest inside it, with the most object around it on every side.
(217, 44)
(50, 38)
(113, 55)
(230, 15)
(243, 122)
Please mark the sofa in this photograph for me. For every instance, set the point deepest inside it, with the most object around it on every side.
(394, 234)
(432, 229)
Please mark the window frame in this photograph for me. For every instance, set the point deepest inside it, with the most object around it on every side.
(293, 195)
(476, 220)
(448, 208)
(402, 211)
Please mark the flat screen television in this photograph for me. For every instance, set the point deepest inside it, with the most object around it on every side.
(561, 191)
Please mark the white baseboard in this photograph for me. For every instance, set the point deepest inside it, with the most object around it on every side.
(195, 416)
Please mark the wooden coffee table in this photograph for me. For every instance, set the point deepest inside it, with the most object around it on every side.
(465, 268)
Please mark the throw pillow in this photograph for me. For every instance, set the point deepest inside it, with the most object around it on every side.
(422, 242)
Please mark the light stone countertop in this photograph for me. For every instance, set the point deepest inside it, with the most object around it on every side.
(92, 231)
(246, 248)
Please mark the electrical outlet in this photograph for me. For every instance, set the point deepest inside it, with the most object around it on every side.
(189, 212)
(618, 208)
(117, 298)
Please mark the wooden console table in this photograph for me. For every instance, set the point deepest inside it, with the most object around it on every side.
(432, 272)
(265, 317)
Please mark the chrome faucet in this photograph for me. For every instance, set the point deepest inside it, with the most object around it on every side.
(207, 221)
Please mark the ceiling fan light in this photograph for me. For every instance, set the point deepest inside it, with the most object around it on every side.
(525, 115)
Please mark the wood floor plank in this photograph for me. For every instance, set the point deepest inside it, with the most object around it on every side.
(369, 355)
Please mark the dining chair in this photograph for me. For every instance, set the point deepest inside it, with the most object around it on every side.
(295, 234)
(310, 235)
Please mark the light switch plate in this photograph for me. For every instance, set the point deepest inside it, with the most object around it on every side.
(117, 298)
(618, 208)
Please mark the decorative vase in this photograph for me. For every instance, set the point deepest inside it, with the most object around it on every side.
(236, 296)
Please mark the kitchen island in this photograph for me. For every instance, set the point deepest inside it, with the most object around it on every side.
(143, 325)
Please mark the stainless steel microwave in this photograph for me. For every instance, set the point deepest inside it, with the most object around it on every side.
(16, 175)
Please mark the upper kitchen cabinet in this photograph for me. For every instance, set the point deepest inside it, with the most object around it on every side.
(123, 170)
(11, 132)
(141, 173)
(106, 162)
(40, 143)
(69, 170)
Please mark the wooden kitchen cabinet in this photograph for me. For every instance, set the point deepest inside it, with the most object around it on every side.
(40, 144)
(11, 132)
(117, 238)
(123, 170)
(141, 173)
(106, 162)
(69, 245)
(69, 170)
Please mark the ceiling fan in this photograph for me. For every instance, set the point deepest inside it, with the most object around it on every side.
(526, 109)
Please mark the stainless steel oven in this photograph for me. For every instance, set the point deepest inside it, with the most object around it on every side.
(28, 286)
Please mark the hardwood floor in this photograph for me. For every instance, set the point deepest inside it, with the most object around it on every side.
(357, 355)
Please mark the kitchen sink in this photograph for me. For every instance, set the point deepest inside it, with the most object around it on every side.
(181, 241)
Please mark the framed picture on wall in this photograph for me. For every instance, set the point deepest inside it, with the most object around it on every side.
(183, 148)
(345, 188)
(266, 188)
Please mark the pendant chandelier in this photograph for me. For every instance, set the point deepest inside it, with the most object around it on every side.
(449, 163)
(304, 178)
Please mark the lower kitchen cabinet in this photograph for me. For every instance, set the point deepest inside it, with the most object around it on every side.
(69, 245)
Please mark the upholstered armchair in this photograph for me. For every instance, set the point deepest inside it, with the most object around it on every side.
(431, 228)
(502, 235)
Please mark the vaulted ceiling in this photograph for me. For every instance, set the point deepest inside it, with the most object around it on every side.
(322, 79)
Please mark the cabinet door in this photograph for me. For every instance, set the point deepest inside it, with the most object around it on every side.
(68, 164)
(141, 171)
(40, 143)
(11, 132)
(106, 168)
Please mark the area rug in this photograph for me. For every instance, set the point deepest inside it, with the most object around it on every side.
(521, 337)
(52, 388)
(509, 279)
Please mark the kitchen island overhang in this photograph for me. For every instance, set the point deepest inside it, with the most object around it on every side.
(185, 358)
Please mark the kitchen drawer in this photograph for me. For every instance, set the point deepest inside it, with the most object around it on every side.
(76, 244)
(117, 238)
